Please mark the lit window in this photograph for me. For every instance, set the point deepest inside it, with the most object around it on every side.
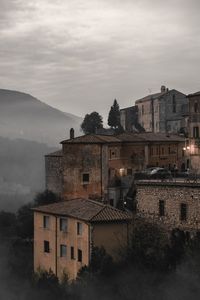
(72, 253)
(63, 250)
(85, 178)
(79, 228)
(183, 212)
(79, 255)
(63, 224)
(46, 247)
(46, 221)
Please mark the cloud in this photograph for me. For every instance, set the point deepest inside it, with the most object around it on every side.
(91, 51)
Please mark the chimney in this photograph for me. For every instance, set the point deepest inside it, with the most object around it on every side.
(71, 133)
(163, 89)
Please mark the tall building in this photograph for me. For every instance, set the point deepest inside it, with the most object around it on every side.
(166, 111)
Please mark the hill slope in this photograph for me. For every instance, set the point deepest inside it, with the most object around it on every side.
(23, 116)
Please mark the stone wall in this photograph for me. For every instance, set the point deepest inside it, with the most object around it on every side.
(173, 195)
(54, 173)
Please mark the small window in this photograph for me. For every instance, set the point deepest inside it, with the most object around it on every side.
(174, 104)
(46, 247)
(195, 107)
(129, 172)
(162, 150)
(63, 224)
(72, 253)
(46, 221)
(63, 250)
(79, 228)
(169, 150)
(196, 132)
(79, 255)
(86, 177)
(142, 109)
(161, 208)
(183, 212)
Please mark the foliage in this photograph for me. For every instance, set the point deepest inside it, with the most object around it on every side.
(114, 116)
(7, 224)
(92, 122)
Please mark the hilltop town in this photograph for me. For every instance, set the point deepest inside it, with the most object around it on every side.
(105, 182)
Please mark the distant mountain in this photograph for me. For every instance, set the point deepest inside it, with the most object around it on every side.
(23, 116)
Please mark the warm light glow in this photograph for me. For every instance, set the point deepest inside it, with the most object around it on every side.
(121, 171)
(184, 148)
(188, 147)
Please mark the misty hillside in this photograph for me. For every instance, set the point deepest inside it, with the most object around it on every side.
(22, 170)
(23, 116)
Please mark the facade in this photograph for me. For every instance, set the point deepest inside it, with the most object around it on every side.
(129, 119)
(193, 142)
(102, 167)
(172, 205)
(66, 232)
(166, 111)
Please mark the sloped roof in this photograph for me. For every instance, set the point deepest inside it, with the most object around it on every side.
(56, 153)
(92, 139)
(151, 96)
(194, 94)
(86, 210)
(149, 137)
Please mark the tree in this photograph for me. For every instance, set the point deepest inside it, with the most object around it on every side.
(92, 122)
(114, 116)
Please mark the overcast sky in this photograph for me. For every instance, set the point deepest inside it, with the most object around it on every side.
(78, 55)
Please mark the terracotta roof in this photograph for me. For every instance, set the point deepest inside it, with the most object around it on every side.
(149, 137)
(194, 94)
(56, 153)
(86, 210)
(92, 139)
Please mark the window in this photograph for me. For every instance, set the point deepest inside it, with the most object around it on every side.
(129, 172)
(79, 228)
(79, 255)
(174, 104)
(46, 222)
(161, 208)
(196, 132)
(142, 109)
(63, 224)
(195, 107)
(72, 253)
(169, 150)
(63, 250)
(86, 178)
(46, 247)
(183, 212)
(151, 151)
(162, 151)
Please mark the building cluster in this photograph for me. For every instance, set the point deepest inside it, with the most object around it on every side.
(94, 174)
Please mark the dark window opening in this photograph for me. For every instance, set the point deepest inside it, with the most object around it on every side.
(72, 253)
(79, 228)
(63, 224)
(174, 104)
(129, 172)
(195, 107)
(79, 255)
(46, 247)
(111, 202)
(196, 132)
(183, 215)
(161, 208)
(86, 177)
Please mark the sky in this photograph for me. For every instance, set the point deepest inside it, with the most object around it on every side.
(79, 55)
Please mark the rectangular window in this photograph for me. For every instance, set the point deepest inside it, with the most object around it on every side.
(46, 222)
(72, 253)
(142, 109)
(46, 247)
(183, 212)
(174, 104)
(79, 255)
(79, 228)
(63, 224)
(196, 132)
(85, 178)
(63, 250)
(129, 172)
(161, 208)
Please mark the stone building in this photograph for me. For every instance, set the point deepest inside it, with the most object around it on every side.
(193, 141)
(172, 205)
(166, 111)
(129, 119)
(101, 167)
(66, 232)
